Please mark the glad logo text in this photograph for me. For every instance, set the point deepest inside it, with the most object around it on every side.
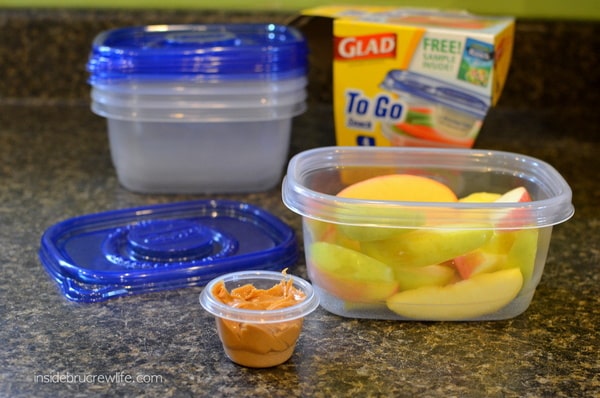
(382, 45)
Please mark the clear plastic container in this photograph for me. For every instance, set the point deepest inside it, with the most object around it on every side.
(478, 256)
(196, 157)
(199, 108)
(259, 338)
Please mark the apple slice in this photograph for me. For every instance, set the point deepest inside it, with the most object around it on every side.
(477, 262)
(506, 249)
(392, 187)
(316, 229)
(480, 295)
(348, 274)
(516, 217)
(501, 242)
(399, 187)
(430, 275)
(515, 195)
(523, 252)
(428, 246)
(410, 219)
(333, 235)
(480, 197)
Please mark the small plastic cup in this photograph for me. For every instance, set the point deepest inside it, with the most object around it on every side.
(258, 338)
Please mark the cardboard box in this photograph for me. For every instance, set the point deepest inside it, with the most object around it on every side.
(406, 76)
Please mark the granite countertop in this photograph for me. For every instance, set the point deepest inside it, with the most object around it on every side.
(55, 164)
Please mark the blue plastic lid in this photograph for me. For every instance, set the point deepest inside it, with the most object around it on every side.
(207, 52)
(99, 256)
(436, 91)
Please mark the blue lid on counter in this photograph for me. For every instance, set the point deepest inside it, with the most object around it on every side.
(99, 256)
(436, 91)
(206, 52)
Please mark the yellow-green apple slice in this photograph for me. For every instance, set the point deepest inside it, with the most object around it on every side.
(523, 252)
(393, 187)
(501, 242)
(471, 298)
(348, 274)
(410, 219)
(316, 229)
(428, 246)
(477, 197)
(333, 235)
(480, 197)
(430, 275)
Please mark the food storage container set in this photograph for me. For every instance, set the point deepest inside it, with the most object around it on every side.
(199, 108)
(208, 109)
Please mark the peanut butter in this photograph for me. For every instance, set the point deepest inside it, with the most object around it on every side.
(259, 345)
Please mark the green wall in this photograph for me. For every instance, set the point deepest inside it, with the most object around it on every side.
(555, 9)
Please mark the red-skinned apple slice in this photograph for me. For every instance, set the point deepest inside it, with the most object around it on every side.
(517, 216)
(477, 262)
(518, 194)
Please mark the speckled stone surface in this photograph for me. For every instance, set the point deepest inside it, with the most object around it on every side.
(55, 164)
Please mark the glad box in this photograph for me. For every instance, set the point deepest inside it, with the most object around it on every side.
(408, 77)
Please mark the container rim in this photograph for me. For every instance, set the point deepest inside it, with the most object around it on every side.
(160, 102)
(303, 200)
(221, 310)
(162, 85)
(199, 115)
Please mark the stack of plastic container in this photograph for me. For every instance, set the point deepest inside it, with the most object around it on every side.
(199, 108)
